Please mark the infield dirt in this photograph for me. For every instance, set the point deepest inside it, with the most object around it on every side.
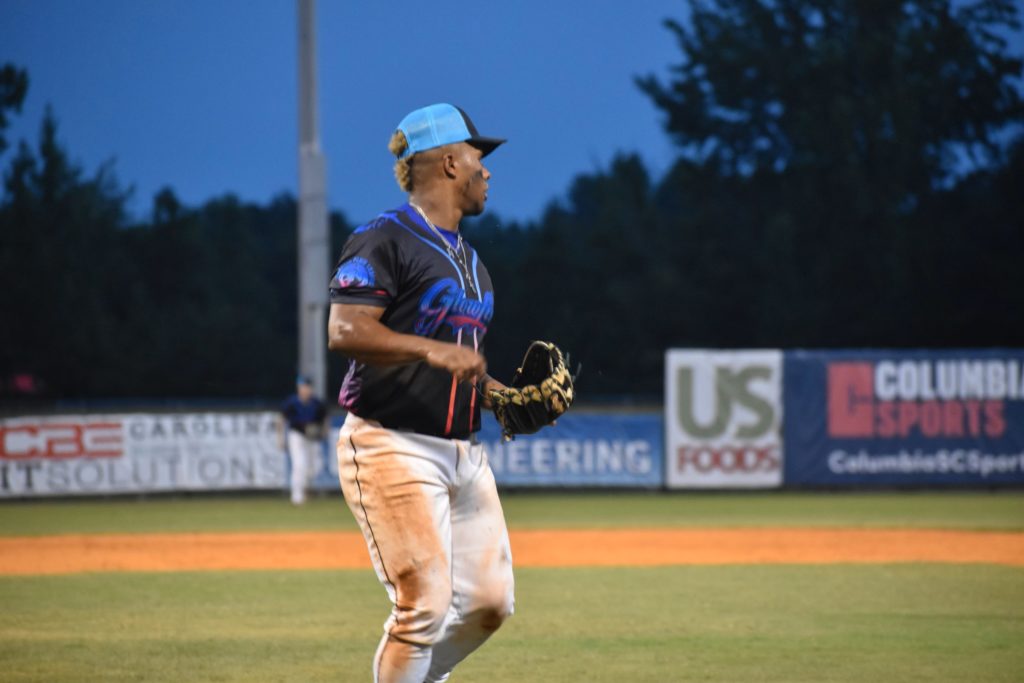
(64, 554)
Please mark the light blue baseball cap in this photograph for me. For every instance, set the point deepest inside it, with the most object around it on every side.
(442, 124)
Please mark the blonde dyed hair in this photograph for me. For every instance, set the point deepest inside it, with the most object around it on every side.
(403, 167)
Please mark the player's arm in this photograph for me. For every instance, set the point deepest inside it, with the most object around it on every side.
(485, 385)
(356, 331)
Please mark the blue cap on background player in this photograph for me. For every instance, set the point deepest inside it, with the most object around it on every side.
(442, 124)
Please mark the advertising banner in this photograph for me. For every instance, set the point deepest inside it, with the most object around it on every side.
(136, 453)
(583, 449)
(723, 419)
(904, 418)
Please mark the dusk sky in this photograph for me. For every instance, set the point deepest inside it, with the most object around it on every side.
(201, 96)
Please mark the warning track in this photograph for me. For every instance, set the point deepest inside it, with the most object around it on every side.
(65, 554)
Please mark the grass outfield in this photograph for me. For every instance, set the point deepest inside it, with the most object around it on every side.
(715, 624)
(885, 623)
(952, 510)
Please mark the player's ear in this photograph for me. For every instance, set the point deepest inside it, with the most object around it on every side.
(448, 165)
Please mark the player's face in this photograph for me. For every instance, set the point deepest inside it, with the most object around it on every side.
(305, 392)
(475, 181)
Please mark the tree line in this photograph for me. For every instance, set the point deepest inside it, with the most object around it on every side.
(848, 175)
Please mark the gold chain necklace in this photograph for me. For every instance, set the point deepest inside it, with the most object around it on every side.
(460, 257)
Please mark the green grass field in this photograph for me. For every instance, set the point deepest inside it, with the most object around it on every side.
(954, 510)
(842, 623)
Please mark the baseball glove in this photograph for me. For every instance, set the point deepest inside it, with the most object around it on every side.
(540, 392)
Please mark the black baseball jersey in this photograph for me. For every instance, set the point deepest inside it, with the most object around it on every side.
(301, 414)
(397, 262)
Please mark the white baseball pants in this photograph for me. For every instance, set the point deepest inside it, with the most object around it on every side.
(429, 511)
(303, 454)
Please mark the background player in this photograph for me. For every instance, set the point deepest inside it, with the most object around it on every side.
(410, 306)
(304, 415)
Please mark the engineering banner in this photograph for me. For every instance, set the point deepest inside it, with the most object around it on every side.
(606, 450)
(583, 449)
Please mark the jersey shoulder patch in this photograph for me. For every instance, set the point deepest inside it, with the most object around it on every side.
(355, 272)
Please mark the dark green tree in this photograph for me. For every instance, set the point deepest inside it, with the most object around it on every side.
(215, 299)
(193, 302)
(13, 88)
(892, 96)
(62, 264)
(576, 277)
(820, 128)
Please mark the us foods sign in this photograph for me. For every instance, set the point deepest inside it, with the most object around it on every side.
(134, 453)
(723, 419)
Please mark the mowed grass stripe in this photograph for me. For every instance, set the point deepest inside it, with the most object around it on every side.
(949, 510)
(757, 624)
(62, 554)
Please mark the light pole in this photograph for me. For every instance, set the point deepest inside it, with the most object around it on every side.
(312, 220)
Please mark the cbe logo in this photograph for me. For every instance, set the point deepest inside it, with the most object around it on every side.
(62, 440)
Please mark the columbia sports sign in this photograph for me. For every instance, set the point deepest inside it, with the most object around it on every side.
(723, 419)
(893, 418)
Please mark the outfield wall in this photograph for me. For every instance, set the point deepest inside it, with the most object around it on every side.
(585, 450)
(844, 419)
(131, 453)
(759, 419)
(100, 454)
(908, 418)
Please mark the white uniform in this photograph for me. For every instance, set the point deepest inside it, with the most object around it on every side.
(303, 420)
(429, 511)
(303, 454)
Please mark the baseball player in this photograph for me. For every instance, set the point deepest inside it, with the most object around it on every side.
(304, 415)
(410, 306)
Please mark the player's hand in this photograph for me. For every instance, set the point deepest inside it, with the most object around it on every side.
(464, 363)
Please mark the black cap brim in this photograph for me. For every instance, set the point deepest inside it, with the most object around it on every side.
(481, 142)
(486, 145)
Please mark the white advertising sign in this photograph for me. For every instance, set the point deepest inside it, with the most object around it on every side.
(723, 419)
(136, 453)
